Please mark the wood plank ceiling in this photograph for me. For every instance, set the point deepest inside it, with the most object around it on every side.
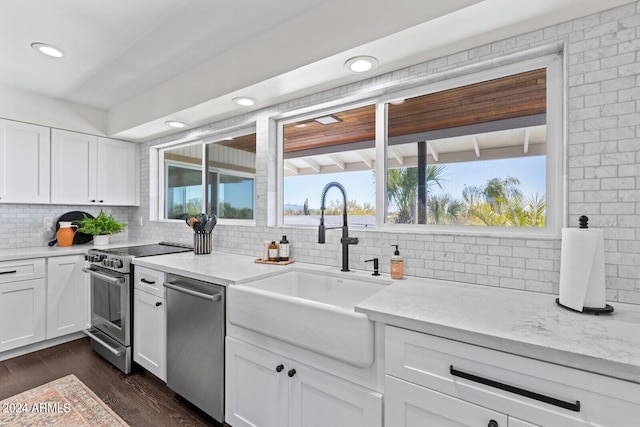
(514, 96)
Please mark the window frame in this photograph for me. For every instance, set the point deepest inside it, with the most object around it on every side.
(554, 62)
(157, 159)
(555, 187)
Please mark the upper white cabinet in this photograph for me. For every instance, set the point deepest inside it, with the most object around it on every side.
(24, 162)
(90, 170)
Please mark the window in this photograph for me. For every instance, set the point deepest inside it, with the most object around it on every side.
(336, 146)
(478, 152)
(475, 154)
(228, 176)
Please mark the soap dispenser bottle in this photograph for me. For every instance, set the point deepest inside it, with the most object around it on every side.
(397, 265)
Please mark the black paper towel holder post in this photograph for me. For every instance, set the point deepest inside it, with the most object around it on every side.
(583, 222)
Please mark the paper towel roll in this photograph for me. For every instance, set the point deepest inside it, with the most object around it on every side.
(582, 268)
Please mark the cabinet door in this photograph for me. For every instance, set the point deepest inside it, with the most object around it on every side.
(73, 167)
(22, 313)
(149, 333)
(318, 400)
(117, 181)
(256, 386)
(67, 295)
(24, 163)
(409, 405)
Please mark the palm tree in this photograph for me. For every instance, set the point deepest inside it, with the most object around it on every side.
(443, 210)
(501, 203)
(402, 189)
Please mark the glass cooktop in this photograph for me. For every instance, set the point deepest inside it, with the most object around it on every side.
(161, 248)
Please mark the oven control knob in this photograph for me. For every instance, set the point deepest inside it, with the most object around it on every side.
(117, 263)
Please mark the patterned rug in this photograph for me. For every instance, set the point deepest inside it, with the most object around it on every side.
(65, 402)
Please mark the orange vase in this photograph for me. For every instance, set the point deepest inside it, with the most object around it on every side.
(66, 233)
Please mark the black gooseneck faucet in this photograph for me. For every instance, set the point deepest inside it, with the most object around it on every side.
(345, 240)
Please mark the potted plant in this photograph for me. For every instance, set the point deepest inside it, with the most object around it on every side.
(100, 227)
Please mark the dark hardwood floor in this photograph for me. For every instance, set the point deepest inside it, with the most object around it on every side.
(139, 398)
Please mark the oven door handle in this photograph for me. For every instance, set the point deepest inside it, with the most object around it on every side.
(212, 298)
(116, 351)
(101, 276)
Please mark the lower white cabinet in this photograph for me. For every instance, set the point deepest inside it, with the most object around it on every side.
(22, 303)
(67, 295)
(435, 381)
(149, 321)
(264, 389)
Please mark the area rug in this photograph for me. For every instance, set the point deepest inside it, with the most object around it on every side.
(65, 402)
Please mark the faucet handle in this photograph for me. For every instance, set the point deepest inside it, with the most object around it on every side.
(375, 266)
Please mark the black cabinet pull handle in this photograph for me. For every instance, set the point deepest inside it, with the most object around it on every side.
(575, 407)
(279, 368)
(291, 373)
(492, 423)
(158, 304)
(8, 272)
(148, 282)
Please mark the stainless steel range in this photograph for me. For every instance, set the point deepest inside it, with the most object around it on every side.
(111, 272)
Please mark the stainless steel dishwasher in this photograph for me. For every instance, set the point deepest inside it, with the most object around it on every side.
(195, 342)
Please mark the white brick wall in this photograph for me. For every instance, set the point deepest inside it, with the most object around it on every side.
(603, 175)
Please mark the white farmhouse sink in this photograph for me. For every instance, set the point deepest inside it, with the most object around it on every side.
(310, 309)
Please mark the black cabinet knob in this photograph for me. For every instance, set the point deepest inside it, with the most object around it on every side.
(493, 423)
(158, 304)
(279, 368)
(291, 373)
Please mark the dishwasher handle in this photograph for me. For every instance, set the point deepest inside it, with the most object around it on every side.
(212, 298)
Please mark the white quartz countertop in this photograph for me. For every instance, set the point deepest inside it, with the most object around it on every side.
(55, 250)
(216, 267)
(523, 323)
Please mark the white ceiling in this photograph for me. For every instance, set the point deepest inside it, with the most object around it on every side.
(147, 61)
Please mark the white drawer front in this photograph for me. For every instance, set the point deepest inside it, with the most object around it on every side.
(149, 281)
(23, 269)
(428, 361)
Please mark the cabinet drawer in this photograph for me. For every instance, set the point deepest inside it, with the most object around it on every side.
(414, 406)
(149, 281)
(23, 269)
(540, 392)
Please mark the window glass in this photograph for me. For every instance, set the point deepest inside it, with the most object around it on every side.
(183, 182)
(229, 178)
(337, 146)
(473, 155)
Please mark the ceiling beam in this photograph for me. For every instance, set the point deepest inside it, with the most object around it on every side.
(336, 160)
(291, 168)
(433, 151)
(397, 155)
(313, 165)
(476, 147)
(365, 158)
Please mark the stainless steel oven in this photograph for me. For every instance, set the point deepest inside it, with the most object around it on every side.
(111, 272)
(111, 316)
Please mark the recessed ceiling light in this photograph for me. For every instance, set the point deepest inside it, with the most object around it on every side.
(244, 101)
(47, 49)
(176, 124)
(360, 64)
(327, 120)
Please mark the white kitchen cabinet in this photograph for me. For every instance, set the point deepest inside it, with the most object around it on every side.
(22, 303)
(264, 389)
(117, 172)
(67, 295)
(149, 321)
(455, 379)
(24, 162)
(90, 170)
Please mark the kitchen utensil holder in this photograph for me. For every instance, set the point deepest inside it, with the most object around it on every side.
(202, 243)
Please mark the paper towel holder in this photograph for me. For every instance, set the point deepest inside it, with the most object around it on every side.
(583, 222)
(588, 310)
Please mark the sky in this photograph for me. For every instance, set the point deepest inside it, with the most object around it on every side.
(360, 186)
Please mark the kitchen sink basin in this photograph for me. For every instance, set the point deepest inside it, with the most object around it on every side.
(310, 309)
